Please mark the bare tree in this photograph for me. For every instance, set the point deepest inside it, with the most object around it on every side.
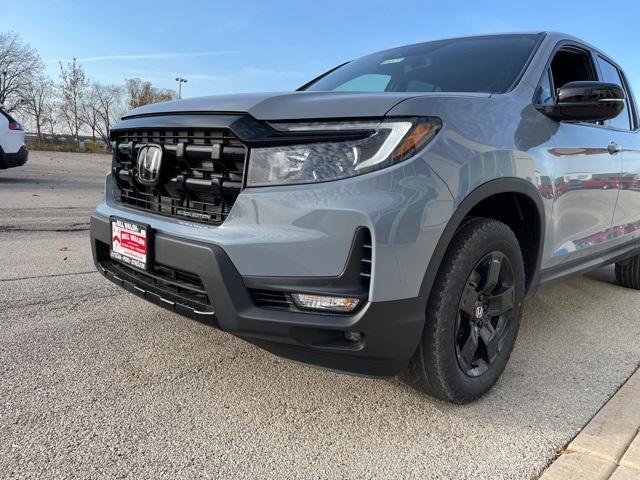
(20, 64)
(72, 90)
(110, 106)
(89, 113)
(50, 118)
(140, 92)
(38, 98)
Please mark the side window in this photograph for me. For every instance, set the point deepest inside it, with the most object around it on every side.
(545, 90)
(571, 65)
(611, 74)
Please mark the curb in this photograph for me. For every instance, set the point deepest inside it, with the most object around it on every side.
(609, 446)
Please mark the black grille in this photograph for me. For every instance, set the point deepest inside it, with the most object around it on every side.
(201, 174)
(273, 299)
(186, 287)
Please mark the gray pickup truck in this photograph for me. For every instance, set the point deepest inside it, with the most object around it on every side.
(390, 216)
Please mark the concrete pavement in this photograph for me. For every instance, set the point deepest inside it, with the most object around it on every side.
(96, 383)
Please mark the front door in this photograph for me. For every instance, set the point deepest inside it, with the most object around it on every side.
(587, 181)
(587, 167)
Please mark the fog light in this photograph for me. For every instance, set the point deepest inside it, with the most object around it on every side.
(322, 302)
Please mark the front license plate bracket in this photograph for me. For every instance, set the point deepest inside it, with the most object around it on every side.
(130, 243)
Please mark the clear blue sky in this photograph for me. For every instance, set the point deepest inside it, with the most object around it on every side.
(242, 46)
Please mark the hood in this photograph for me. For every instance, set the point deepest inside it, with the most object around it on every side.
(284, 106)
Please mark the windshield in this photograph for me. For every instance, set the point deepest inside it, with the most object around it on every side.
(474, 64)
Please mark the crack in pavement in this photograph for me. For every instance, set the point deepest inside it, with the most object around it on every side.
(65, 302)
(29, 209)
(76, 227)
(52, 275)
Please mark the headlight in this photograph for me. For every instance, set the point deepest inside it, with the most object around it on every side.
(382, 144)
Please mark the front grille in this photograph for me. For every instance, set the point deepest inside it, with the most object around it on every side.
(201, 174)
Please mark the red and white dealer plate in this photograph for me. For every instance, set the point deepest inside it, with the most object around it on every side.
(130, 243)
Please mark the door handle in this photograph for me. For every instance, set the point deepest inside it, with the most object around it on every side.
(614, 148)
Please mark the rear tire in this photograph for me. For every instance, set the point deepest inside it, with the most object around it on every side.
(473, 314)
(628, 273)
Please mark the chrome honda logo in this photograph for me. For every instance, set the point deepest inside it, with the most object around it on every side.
(149, 161)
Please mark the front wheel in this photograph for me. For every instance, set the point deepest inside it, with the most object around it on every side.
(473, 314)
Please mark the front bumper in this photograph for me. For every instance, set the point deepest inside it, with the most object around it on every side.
(389, 330)
(11, 160)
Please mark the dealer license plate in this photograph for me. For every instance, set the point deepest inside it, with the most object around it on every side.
(130, 243)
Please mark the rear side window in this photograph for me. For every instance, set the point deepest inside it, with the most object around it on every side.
(611, 74)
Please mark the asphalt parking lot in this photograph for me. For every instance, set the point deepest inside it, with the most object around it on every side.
(95, 382)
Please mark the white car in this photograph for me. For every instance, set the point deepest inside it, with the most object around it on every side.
(13, 152)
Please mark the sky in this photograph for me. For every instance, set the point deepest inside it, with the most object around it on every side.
(248, 46)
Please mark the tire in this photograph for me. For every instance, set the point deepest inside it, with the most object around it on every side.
(628, 272)
(442, 366)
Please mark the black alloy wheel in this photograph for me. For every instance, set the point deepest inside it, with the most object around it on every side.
(484, 314)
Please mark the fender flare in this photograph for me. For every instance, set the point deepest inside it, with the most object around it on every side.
(484, 191)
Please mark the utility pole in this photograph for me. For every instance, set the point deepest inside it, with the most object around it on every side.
(180, 81)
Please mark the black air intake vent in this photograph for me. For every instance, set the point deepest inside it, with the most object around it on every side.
(366, 259)
(273, 299)
(186, 287)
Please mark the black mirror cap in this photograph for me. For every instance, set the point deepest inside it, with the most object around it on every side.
(586, 102)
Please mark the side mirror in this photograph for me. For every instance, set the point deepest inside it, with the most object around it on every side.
(586, 102)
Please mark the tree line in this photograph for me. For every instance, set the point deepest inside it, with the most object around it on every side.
(70, 104)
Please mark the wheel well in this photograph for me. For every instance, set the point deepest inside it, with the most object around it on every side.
(520, 213)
